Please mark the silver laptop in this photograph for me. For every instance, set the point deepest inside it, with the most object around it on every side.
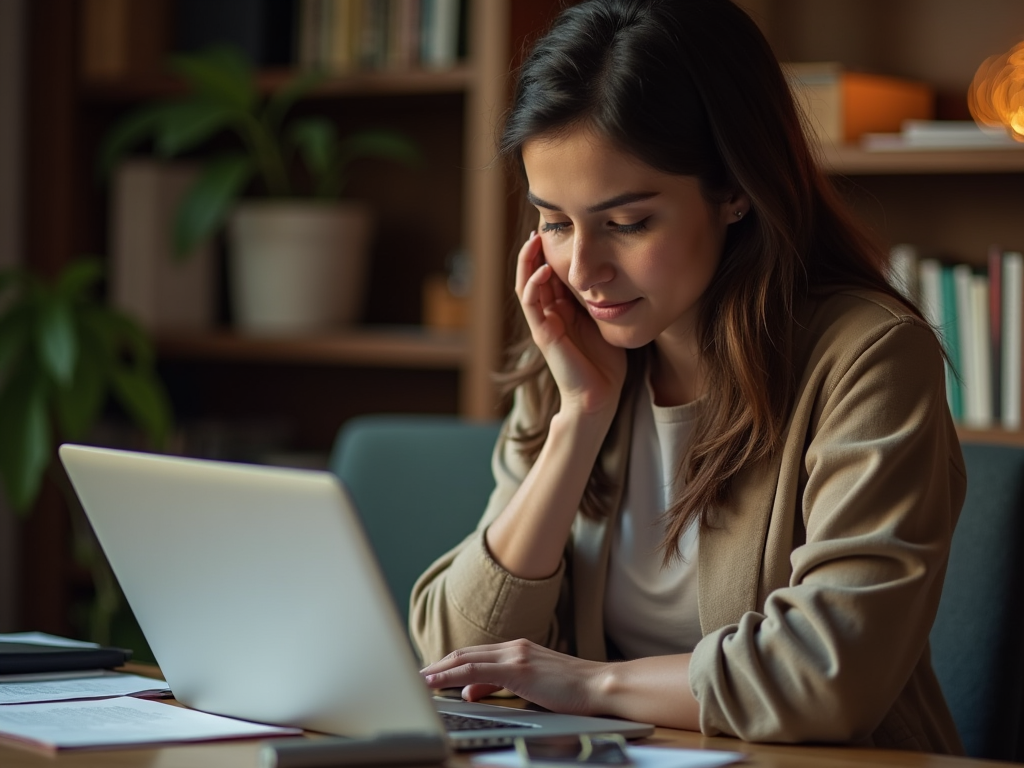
(261, 598)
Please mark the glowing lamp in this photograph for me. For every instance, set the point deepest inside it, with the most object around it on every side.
(996, 95)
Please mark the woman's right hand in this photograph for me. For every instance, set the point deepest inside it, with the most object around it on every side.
(588, 371)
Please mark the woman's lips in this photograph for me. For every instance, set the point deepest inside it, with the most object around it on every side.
(607, 310)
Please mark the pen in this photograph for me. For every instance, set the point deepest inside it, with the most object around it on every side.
(385, 749)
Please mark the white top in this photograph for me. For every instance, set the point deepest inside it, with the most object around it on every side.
(651, 610)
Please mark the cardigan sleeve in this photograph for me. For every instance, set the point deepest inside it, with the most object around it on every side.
(465, 597)
(831, 651)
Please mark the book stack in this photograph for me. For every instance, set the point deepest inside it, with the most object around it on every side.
(841, 106)
(342, 36)
(977, 314)
(939, 134)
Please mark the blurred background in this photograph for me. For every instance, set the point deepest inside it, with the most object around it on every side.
(125, 127)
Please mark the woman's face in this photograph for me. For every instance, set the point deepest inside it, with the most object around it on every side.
(636, 246)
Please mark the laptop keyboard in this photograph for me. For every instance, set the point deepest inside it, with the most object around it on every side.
(453, 722)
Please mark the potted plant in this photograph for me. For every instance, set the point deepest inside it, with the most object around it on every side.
(297, 257)
(63, 354)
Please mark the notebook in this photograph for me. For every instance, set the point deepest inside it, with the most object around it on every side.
(262, 599)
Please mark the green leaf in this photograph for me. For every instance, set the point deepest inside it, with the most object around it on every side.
(206, 204)
(25, 438)
(283, 99)
(130, 132)
(316, 139)
(188, 124)
(15, 336)
(115, 333)
(78, 405)
(142, 396)
(220, 74)
(55, 338)
(78, 277)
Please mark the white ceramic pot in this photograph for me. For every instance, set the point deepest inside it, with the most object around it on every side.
(298, 266)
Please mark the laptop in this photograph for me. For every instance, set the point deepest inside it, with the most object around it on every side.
(261, 599)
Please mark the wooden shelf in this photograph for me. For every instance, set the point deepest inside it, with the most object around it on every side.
(379, 82)
(853, 161)
(401, 347)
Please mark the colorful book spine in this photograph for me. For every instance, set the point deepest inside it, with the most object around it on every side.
(980, 414)
(1013, 317)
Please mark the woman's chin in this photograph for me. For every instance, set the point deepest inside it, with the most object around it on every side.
(624, 338)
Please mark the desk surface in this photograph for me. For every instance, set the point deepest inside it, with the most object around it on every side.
(243, 754)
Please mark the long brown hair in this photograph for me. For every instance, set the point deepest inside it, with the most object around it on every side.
(692, 87)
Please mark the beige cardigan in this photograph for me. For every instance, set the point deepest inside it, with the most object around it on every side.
(820, 581)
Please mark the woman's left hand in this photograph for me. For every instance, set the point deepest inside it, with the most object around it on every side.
(553, 680)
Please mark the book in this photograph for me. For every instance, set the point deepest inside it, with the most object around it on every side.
(1013, 317)
(965, 335)
(18, 657)
(995, 330)
(122, 38)
(316, 30)
(404, 34)
(122, 721)
(840, 106)
(939, 134)
(373, 35)
(341, 50)
(979, 414)
(439, 43)
(161, 292)
(952, 336)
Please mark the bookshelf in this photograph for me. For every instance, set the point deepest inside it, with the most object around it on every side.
(952, 202)
(387, 363)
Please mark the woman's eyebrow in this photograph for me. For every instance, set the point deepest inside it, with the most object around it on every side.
(624, 199)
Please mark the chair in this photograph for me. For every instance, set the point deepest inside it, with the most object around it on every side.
(977, 640)
(420, 483)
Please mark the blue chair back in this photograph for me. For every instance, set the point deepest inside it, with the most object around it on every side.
(421, 484)
(978, 638)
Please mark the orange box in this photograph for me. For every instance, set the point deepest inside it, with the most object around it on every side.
(443, 310)
(842, 106)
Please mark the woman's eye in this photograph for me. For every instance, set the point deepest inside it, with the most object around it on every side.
(555, 227)
(629, 229)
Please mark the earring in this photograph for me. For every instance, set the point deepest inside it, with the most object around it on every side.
(739, 214)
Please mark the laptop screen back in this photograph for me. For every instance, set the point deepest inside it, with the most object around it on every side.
(256, 589)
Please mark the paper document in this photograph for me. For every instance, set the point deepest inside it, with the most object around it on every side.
(25, 689)
(123, 721)
(642, 757)
(41, 638)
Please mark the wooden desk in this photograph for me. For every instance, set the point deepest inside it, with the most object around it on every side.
(244, 754)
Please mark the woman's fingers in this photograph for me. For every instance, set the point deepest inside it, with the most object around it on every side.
(538, 304)
(527, 262)
(477, 691)
(551, 679)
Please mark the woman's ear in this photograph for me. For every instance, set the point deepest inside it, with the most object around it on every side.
(736, 208)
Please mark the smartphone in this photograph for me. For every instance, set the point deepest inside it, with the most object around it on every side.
(561, 751)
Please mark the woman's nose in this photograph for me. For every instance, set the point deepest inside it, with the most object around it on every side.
(590, 266)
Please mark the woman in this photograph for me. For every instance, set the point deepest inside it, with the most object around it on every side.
(727, 487)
